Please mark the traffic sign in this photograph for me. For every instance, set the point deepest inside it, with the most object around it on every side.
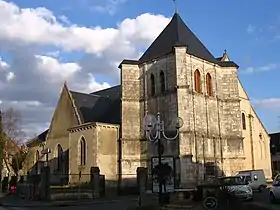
(210, 203)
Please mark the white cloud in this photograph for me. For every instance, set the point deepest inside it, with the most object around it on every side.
(3, 64)
(54, 69)
(40, 26)
(109, 6)
(250, 29)
(31, 77)
(64, 19)
(53, 53)
(268, 103)
(251, 70)
(10, 76)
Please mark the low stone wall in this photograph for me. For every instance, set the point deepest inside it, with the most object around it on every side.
(28, 191)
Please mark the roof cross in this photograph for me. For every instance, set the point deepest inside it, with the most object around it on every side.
(175, 6)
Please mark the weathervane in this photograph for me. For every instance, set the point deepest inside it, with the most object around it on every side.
(175, 6)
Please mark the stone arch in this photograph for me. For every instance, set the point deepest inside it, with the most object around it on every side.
(82, 150)
(37, 158)
(162, 81)
(59, 156)
(153, 84)
(243, 120)
(209, 85)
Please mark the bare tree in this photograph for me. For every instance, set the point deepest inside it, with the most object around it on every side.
(12, 129)
(12, 125)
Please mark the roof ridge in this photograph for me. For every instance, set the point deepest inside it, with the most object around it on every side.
(105, 89)
(88, 94)
(274, 133)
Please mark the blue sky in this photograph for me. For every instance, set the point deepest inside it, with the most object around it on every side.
(249, 30)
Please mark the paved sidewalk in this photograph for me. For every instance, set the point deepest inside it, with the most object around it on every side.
(14, 201)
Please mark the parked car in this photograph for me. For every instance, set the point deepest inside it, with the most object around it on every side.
(238, 186)
(274, 193)
(274, 174)
(255, 178)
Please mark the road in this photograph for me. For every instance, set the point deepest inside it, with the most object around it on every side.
(105, 206)
(122, 204)
(261, 198)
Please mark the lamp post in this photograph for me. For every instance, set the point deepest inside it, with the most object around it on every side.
(154, 131)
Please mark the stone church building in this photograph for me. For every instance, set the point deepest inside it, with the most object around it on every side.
(176, 76)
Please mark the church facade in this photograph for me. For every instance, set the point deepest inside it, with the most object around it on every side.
(178, 77)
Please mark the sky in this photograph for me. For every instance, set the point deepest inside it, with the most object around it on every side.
(44, 43)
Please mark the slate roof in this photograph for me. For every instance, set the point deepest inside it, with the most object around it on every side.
(275, 140)
(100, 106)
(112, 92)
(41, 137)
(177, 33)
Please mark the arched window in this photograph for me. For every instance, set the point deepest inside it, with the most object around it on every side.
(197, 81)
(82, 151)
(59, 156)
(162, 82)
(153, 85)
(243, 118)
(209, 85)
(37, 157)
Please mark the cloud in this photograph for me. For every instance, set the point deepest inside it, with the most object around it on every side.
(250, 29)
(110, 6)
(64, 19)
(251, 70)
(269, 103)
(39, 51)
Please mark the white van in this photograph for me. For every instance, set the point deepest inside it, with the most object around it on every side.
(255, 179)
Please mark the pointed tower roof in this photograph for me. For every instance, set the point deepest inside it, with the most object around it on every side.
(176, 33)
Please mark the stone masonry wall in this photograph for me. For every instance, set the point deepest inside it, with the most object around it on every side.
(163, 102)
(130, 130)
(212, 130)
(136, 102)
(212, 125)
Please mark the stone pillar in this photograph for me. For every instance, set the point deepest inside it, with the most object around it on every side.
(95, 180)
(142, 178)
(45, 183)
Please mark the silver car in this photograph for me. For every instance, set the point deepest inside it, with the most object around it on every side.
(238, 186)
(274, 192)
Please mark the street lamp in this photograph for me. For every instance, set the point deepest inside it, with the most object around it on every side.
(154, 132)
